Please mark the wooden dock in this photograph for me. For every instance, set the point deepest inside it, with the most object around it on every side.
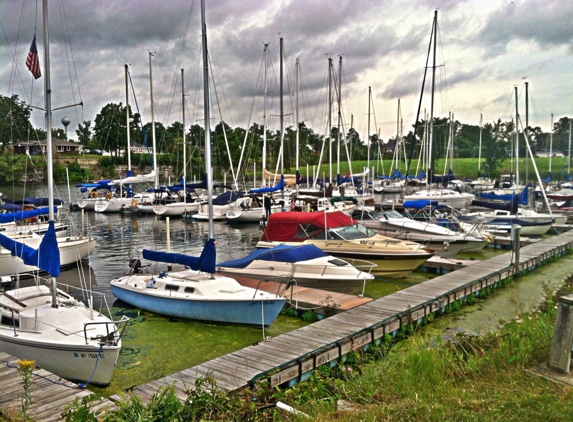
(50, 394)
(305, 297)
(292, 357)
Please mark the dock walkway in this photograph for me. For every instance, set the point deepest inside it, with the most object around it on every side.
(292, 357)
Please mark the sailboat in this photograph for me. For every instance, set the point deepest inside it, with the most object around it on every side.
(45, 324)
(184, 204)
(443, 195)
(125, 199)
(197, 292)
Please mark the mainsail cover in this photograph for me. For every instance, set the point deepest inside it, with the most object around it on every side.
(21, 215)
(205, 262)
(279, 186)
(46, 257)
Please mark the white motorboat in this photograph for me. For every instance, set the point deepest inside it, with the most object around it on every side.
(304, 265)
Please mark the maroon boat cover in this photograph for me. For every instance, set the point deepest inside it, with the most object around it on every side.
(295, 226)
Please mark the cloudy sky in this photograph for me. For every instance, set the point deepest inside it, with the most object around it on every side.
(486, 48)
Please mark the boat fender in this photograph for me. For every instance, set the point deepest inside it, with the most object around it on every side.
(134, 203)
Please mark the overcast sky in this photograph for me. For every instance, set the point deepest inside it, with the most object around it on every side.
(485, 49)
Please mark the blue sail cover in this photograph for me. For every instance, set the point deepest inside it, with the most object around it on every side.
(21, 215)
(46, 257)
(419, 203)
(227, 197)
(39, 202)
(205, 262)
(279, 186)
(522, 198)
(280, 253)
(201, 185)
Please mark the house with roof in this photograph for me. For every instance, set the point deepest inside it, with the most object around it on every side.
(38, 147)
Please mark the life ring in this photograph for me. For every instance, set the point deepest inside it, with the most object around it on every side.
(93, 194)
(108, 195)
(134, 203)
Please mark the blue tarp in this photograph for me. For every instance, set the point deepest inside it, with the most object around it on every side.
(205, 262)
(419, 203)
(21, 215)
(46, 257)
(280, 186)
(280, 253)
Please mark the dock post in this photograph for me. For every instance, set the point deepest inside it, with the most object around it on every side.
(515, 243)
(560, 356)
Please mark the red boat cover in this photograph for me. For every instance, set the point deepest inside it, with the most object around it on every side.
(295, 226)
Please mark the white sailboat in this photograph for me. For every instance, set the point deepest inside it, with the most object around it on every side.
(124, 199)
(432, 192)
(45, 324)
(198, 293)
(184, 205)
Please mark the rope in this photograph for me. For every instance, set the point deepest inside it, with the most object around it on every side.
(95, 367)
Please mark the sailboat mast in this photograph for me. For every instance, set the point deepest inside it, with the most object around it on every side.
(339, 123)
(128, 144)
(551, 144)
(265, 112)
(368, 138)
(184, 138)
(48, 110)
(526, 126)
(48, 119)
(430, 175)
(297, 65)
(153, 122)
(330, 119)
(516, 139)
(479, 150)
(206, 96)
(281, 104)
(569, 153)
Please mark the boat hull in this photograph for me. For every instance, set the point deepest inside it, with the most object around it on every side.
(112, 205)
(75, 363)
(248, 309)
(70, 340)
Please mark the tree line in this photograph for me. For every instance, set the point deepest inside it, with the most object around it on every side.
(108, 131)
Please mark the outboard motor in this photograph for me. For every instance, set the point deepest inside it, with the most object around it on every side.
(135, 265)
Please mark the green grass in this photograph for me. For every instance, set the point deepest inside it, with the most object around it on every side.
(467, 168)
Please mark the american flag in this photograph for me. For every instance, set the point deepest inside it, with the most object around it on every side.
(33, 62)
